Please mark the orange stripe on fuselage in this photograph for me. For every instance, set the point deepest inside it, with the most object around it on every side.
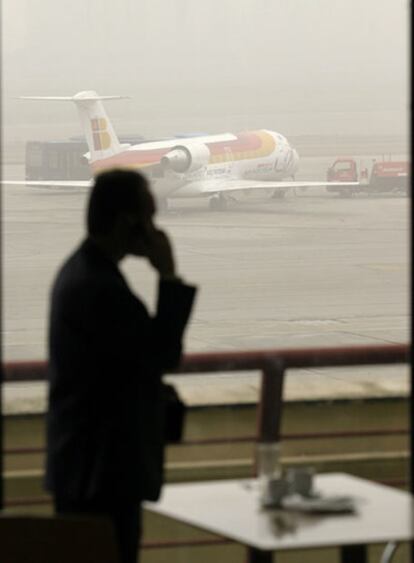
(252, 144)
(249, 145)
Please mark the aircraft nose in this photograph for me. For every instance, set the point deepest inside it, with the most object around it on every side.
(294, 161)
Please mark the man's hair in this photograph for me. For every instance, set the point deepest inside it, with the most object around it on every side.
(114, 192)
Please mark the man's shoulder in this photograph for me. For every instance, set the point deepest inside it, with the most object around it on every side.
(74, 268)
(85, 270)
(86, 259)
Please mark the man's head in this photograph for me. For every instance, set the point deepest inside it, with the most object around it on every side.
(121, 210)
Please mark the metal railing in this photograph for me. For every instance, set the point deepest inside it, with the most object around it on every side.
(273, 365)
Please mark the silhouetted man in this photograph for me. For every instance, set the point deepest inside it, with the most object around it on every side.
(105, 421)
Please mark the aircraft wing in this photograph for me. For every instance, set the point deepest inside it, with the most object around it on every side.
(50, 183)
(231, 185)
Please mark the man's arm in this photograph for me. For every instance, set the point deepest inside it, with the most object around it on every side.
(175, 302)
(120, 324)
(175, 298)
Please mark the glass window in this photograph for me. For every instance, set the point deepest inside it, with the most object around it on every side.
(222, 92)
(343, 166)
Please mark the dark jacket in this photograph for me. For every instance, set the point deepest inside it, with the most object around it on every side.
(106, 357)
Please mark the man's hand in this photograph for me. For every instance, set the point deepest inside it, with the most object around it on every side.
(160, 252)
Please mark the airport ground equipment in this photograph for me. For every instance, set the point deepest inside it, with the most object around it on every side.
(64, 159)
(383, 176)
(49, 160)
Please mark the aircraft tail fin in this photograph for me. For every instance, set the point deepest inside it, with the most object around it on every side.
(99, 132)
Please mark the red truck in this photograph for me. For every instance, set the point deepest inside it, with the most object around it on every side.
(385, 176)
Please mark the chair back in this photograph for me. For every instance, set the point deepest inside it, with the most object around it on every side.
(57, 539)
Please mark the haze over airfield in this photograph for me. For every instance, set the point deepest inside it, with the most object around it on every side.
(320, 67)
(308, 271)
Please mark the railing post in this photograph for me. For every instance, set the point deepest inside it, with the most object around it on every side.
(269, 423)
(270, 406)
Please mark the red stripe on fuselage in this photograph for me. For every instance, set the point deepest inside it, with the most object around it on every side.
(135, 158)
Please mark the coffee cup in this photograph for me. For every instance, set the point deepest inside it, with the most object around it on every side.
(300, 480)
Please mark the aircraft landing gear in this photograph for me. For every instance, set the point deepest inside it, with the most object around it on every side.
(217, 203)
(347, 194)
(279, 193)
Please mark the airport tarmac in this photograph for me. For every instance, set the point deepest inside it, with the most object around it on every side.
(310, 270)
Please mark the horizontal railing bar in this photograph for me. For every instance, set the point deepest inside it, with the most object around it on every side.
(296, 358)
(24, 451)
(27, 501)
(293, 437)
(251, 360)
(247, 439)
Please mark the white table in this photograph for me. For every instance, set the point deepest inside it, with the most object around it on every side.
(231, 509)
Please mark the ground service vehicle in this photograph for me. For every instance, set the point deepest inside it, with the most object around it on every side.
(48, 160)
(384, 176)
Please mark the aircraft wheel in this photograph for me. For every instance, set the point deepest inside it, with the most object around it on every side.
(402, 192)
(217, 203)
(279, 193)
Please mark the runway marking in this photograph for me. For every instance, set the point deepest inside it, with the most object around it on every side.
(317, 321)
(384, 266)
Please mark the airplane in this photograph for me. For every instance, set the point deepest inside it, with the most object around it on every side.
(212, 166)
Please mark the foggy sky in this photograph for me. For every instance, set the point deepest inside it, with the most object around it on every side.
(297, 66)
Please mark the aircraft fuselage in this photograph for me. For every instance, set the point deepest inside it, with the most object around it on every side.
(251, 155)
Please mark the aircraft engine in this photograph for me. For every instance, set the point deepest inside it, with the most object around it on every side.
(186, 158)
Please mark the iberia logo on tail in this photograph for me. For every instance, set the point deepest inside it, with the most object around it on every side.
(101, 137)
